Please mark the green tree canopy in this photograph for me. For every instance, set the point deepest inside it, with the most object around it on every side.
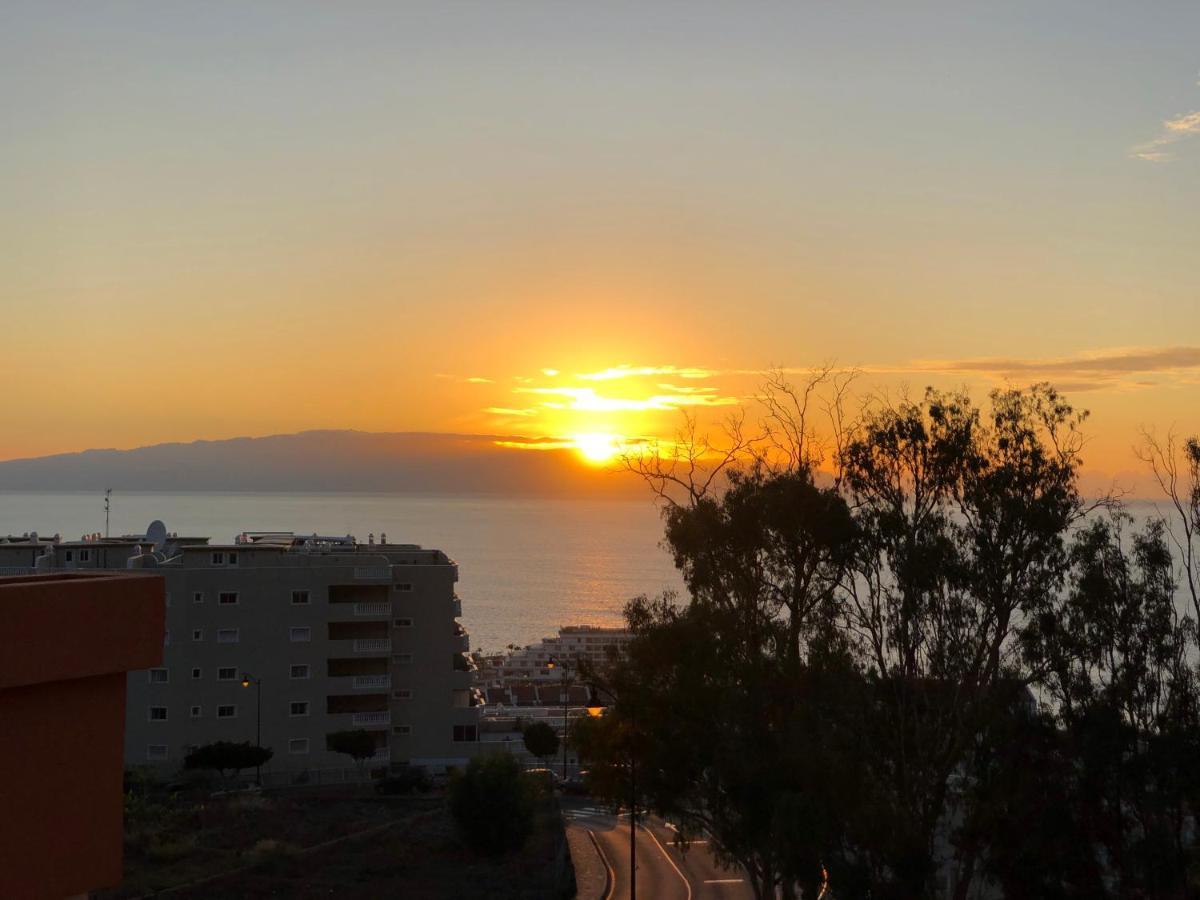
(226, 756)
(492, 802)
(540, 740)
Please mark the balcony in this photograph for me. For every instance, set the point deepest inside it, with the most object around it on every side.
(373, 573)
(462, 642)
(371, 682)
(456, 607)
(366, 719)
(382, 755)
(377, 610)
(372, 645)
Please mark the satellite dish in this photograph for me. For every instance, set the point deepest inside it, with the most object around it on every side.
(156, 533)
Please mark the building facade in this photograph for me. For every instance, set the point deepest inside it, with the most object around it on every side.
(284, 639)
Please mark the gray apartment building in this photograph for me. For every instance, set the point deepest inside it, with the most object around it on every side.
(294, 637)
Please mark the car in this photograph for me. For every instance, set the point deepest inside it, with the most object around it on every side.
(579, 785)
(547, 777)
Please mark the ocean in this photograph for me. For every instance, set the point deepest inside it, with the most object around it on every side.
(526, 566)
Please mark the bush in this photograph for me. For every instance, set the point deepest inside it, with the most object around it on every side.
(404, 780)
(493, 804)
(160, 850)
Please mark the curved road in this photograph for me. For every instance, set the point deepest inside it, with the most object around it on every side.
(664, 871)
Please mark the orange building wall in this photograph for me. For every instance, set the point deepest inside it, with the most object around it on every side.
(66, 643)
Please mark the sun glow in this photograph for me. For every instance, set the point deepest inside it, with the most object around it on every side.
(598, 447)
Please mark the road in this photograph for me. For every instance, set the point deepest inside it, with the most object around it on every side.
(664, 871)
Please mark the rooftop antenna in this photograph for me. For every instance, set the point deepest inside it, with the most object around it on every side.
(107, 496)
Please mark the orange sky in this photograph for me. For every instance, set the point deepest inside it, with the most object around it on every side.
(244, 220)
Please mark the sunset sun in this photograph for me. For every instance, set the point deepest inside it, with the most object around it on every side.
(598, 447)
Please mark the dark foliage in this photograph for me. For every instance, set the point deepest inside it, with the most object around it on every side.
(493, 804)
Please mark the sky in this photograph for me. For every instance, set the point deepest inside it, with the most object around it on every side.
(228, 219)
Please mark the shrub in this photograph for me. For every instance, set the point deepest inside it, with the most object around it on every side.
(404, 780)
(493, 804)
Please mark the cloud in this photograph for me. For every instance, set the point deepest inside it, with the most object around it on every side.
(1098, 370)
(508, 411)
(680, 389)
(587, 400)
(550, 373)
(627, 371)
(1173, 130)
(476, 379)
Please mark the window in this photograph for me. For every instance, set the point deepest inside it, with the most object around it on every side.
(218, 558)
(156, 752)
(298, 708)
(227, 674)
(401, 729)
(402, 659)
(197, 634)
(465, 733)
(402, 694)
(196, 711)
(157, 714)
(197, 596)
(300, 671)
(227, 635)
(232, 558)
(69, 556)
(227, 598)
(404, 587)
(298, 634)
(196, 673)
(299, 598)
(227, 712)
(159, 676)
(85, 555)
(298, 745)
(404, 623)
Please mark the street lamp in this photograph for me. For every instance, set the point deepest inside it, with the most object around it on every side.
(594, 709)
(247, 680)
(552, 663)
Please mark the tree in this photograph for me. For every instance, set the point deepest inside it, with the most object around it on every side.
(962, 521)
(1116, 653)
(226, 756)
(493, 804)
(859, 637)
(540, 740)
(358, 744)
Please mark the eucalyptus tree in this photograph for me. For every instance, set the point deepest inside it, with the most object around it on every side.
(962, 519)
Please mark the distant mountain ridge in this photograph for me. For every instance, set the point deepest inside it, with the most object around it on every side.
(406, 462)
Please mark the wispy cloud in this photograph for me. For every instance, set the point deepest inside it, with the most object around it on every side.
(509, 411)
(476, 379)
(1121, 368)
(1173, 130)
(627, 371)
(587, 400)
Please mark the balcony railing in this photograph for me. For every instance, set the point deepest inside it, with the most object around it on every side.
(363, 719)
(375, 609)
(372, 645)
(382, 755)
(372, 682)
(373, 573)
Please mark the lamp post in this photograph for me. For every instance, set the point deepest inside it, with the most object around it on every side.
(594, 709)
(553, 663)
(247, 680)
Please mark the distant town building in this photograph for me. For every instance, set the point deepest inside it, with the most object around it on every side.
(66, 643)
(294, 636)
(591, 645)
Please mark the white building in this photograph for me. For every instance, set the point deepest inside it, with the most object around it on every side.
(329, 634)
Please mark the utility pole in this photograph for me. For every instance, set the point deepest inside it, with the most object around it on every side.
(107, 495)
